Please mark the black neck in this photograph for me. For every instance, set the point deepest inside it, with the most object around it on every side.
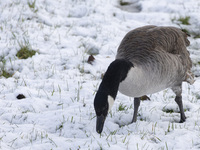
(116, 72)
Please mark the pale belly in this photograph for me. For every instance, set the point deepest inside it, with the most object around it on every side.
(139, 83)
(138, 90)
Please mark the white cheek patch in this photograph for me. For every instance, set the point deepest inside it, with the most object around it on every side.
(110, 102)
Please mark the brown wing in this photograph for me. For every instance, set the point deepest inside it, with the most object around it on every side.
(144, 41)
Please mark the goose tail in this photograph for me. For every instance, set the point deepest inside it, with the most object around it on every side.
(190, 77)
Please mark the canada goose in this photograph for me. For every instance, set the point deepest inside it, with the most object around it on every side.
(149, 59)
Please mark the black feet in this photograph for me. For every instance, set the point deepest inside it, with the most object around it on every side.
(183, 118)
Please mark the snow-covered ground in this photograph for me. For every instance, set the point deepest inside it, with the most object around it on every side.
(59, 84)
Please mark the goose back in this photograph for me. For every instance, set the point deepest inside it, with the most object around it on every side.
(160, 51)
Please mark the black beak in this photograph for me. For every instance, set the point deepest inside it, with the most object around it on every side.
(100, 123)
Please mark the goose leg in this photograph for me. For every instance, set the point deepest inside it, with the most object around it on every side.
(178, 100)
(136, 106)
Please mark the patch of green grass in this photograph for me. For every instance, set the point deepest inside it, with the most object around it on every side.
(32, 6)
(121, 107)
(184, 20)
(4, 73)
(168, 110)
(122, 3)
(25, 50)
(174, 111)
(196, 35)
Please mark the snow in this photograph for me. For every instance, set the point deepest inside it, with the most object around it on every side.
(59, 84)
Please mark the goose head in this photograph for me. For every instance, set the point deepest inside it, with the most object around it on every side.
(105, 96)
(102, 104)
